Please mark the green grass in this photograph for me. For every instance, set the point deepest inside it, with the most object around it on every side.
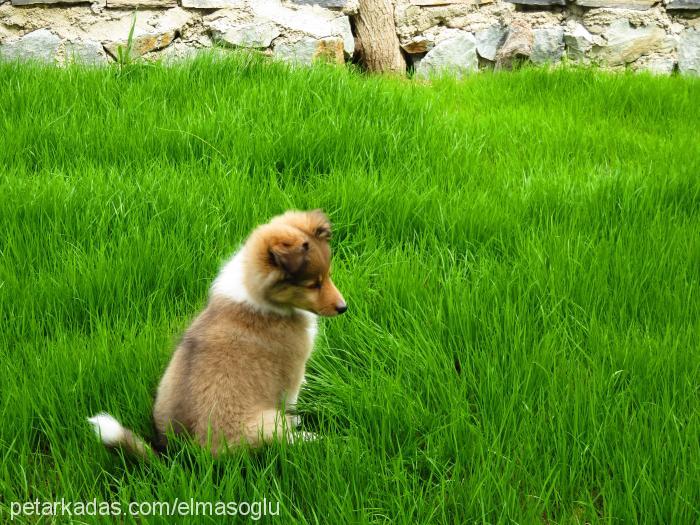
(520, 254)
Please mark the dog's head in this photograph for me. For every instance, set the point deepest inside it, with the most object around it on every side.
(292, 263)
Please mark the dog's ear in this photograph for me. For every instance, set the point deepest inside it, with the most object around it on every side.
(323, 232)
(321, 226)
(291, 257)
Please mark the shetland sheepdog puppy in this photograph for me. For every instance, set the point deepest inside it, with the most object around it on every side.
(235, 376)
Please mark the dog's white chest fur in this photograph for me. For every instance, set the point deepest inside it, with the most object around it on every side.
(230, 283)
(312, 327)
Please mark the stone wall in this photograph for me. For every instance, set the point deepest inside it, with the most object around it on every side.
(460, 36)
(614, 34)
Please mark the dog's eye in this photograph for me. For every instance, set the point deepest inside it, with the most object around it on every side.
(315, 286)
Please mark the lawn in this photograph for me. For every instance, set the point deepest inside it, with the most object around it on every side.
(520, 253)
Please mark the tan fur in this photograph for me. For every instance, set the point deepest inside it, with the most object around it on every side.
(135, 445)
(238, 366)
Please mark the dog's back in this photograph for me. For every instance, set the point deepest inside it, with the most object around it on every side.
(231, 366)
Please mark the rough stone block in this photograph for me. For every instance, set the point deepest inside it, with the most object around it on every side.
(456, 56)
(419, 44)
(309, 50)
(625, 44)
(86, 52)
(538, 2)
(662, 65)
(33, 2)
(689, 52)
(140, 3)
(341, 28)
(684, 4)
(412, 20)
(548, 45)
(489, 41)
(141, 44)
(213, 4)
(621, 4)
(323, 3)
(39, 45)
(314, 22)
(258, 35)
(518, 45)
(578, 41)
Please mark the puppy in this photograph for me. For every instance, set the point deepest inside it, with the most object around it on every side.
(239, 367)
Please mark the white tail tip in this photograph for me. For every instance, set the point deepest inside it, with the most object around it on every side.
(108, 429)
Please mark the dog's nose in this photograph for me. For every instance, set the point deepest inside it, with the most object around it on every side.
(341, 308)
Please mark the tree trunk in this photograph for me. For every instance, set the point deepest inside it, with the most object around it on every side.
(375, 37)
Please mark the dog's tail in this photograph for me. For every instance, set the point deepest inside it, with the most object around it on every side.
(114, 435)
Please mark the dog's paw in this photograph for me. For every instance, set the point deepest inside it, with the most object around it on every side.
(301, 436)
